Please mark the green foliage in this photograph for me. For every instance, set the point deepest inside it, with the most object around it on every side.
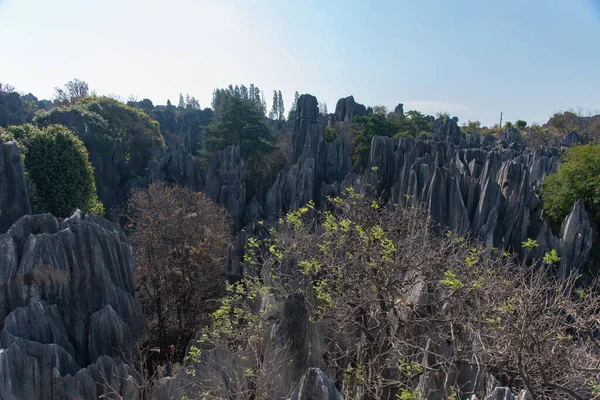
(471, 127)
(530, 244)
(59, 175)
(412, 124)
(330, 134)
(103, 122)
(520, 124)
(365, 129)
(450, 280)
(406, 394)
(551, 258)
(577, 178)
(239, 122)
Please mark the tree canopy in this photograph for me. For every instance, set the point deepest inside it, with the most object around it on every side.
(238, 121)
(59, 174)
(104, 122)
(577, 177)
(411, 124)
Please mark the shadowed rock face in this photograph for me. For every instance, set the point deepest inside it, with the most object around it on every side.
(14, 201)
(67, 303)
(315, 385)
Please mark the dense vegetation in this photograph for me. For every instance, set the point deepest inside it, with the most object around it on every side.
(105, 124)
(239, 120)
(60, 177)
(397, 302)
(577, 177)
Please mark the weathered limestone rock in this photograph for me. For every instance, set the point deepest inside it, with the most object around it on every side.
(14, 200)
(315, 385)
(347, 108)
(226, 182)
(67, 302)
(576, 236)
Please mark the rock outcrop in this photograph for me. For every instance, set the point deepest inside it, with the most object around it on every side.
(14, 200)
(347, 108)
(315, 385)
(68, 309)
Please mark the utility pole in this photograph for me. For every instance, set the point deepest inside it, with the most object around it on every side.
(500, 119)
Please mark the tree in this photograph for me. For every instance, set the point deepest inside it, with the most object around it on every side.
(295, 103)
(380, 110)
(181, 103)
(59, 175)
(280, 107)
(6, 87)
(274, 113)
(106, 122)
(520, 124)
(471, 127)
(239, 122)
(400, 306)
(72, 91)
(577, 178)
(323, 108)
(179, 242)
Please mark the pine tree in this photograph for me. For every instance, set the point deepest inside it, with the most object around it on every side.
(274, 114)
(244, 92)
(181, 101)
(280, 107)
(251, 92)
(295, 104)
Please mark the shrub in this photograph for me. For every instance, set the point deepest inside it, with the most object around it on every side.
(578, 177)
(398, 304)
(59, 175)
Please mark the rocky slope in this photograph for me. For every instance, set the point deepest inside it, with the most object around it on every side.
(68, 309)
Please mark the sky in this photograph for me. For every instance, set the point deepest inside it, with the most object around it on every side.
(470, 58)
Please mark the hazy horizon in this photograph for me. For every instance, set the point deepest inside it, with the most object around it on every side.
(469, 59)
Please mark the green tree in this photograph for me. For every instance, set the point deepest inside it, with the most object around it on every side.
(471, 127)
(330, 134)
(365, 128)
(520, 124)
(280, 107)
(274, 113)
(239, 122)
(577, 178)
(60, 177)
(104, 122)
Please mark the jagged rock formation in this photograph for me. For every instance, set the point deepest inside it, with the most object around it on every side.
(174, 164)
(347, 108)
(315, 163)
(68, 309)
(14, 200)
(315, 385)
(226, 182)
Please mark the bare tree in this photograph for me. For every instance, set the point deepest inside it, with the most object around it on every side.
(179, 242)
(6, 87)
(73, 90)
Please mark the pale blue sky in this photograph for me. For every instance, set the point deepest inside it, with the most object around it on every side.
(471, 58)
